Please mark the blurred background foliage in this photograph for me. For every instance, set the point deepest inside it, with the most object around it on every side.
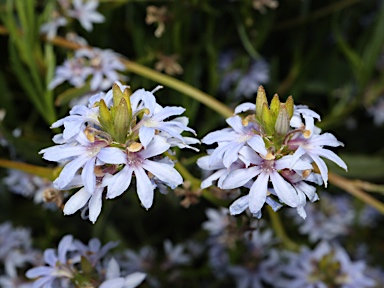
(328, 54)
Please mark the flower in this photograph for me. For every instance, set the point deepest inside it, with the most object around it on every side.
(325, 266)
(101, 66)
(117, 136)
(270, 151)
(85, 13)
(159, 16)
(60, 264)
(115, 280)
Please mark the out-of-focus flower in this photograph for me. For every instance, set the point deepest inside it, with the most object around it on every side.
(175, 255)
(114, 279)
(262, 4)
(50, 28)
(94, 251)
(270, 152)
(85, 13)
(377, 111)
(326, 266)
(244, 81)
(168, 64)
(31, 186)
(99, 66)
(60, 265)
(159, 16)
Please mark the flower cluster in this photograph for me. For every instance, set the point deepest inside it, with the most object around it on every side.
(74, 264)
(278, 144)
(82, 11)
(98, 66)
(117, 135)
(327, 265)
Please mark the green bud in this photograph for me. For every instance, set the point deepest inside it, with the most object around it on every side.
(275, 106)
(282, 121)
(122, 121)
(261, 99)
(105, 117)
(267, 120)
(290, 106)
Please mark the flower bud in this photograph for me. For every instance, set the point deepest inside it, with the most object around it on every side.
(261, 98)
(282, 121)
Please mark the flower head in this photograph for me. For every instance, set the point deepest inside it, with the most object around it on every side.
(271, 152)
(118, 136)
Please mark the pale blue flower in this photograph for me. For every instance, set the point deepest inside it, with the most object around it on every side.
(303, 272)
(233, 139)
(137, 163)
(60, 265)
(116, 281)
(76, 157)
(175, 255)
(85, 13)
(312, 147)
(264, 170)
(94, 251)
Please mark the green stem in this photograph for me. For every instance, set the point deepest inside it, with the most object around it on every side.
(180, 86)
(48, 173)
(279, 230)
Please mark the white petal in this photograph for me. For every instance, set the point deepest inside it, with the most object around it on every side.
(135, 279)
(146, 135)
(284, 190)
(239, 177)
(157, 146)
(245, 107)
(88, 176)
(112, 155)
(115, 283)
(258, 193)
(144, 187)
(76, 202)
(95, 204)
(239, 205)
(119, 182)
(257, 143)
(164, 172)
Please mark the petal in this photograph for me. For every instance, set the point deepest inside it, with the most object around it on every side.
(50, 257)
(39, 271)
(322, 167)
(113, 269)
(231, 154)
(64, 246)
(135, 279)
(146, 135)
(76, 202)
(331, 156)
(69, 171)
(95, 204)
(167, 112)
(144, 187)
(88, 176)
(209, 181)
(239, 205)
(166, 173)
(115, 283)
(226, 134)
(157, 146)
(258, 193)
(112, 155)
(296, 156)
(257, 144)
(239, 177)
(119, 182)
(245, 107)
(284, 190)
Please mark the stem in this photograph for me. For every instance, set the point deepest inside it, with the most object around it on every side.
(352, 187)
(279, 230)
(180, 86)
(49, 173)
